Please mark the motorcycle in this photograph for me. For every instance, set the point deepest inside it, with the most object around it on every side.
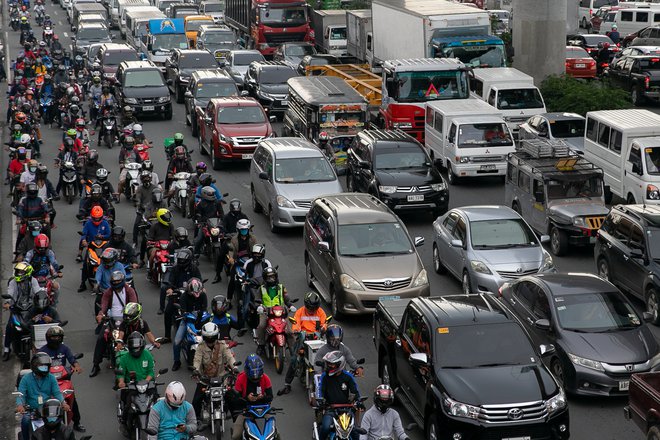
(343, 419)
(132, 178)
(46, 282)
(19, 320)
(276, 344)
(46, 105)
(259, 422)
(63, 376)
(213, 405)
(47, 35)
(69, 181)
(14, 23)
(109, 127)
(35, 415)
(93, 257)
(39, 18)
(110, 329)
(180, 189)
(193, 333)
(160, 263)
(141, 152)
(142, 395)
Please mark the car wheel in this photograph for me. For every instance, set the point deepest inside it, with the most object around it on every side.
(557, 371)
(630, 200)
(334, 305)
(178, 94)
(202, 151)
(309, 275)
(636, 97)
(350, 184)
(653, 304)
(168, 114)
(437, 264)
(516, 208)
(465, 283)
(256, 207)
(452, 178)
(604, 269)
(215, 162)
(558, 241)
(653, 434)
(193, 127)
(271, 220)
(432, 428)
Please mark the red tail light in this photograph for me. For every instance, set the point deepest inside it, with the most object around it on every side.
(568, 64)
(655, 60)
(647, 81)
(592, 63)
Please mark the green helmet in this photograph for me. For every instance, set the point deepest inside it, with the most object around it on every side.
(132, 312)
(71, 132)
(178, 139)
(22, 271)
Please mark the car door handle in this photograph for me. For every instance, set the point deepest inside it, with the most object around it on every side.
(397, 341)
(530, 320)
(625, 257)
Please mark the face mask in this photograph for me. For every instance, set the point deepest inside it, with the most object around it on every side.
(244, 232)
(42, 368)
(33, 169)
(35, 233)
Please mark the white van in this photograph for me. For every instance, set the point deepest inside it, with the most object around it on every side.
(510, 91)
(630, 20)
(467, 136)
(626, 145)
(589, 7)
(116, 13)
(137, 23)
(123, 28)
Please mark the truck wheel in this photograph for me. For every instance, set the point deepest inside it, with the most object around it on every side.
(558, 241)
(636, 97)
(188, 121)
(168, 114)
(350, 184)
(630, 200)
(432, 428)
(608, 195)
(178, 93)
(437, 264)
(653, 305)
(516, 208)
(653, 434)
(603, 269)
(452, 178)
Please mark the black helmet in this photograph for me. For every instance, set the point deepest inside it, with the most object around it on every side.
(148, 165)
(205, 179)
(102, 174)
(136, 344)
(54, 337)
(157, 195)
(235, 205)
(42, 171)
(31, 190)
(312, 301)
(109, 257)
(383, 397)
(96, 192)
(220, 305)
(118, 234)
(334, 335)
(183, 257)
(270, 276)
(145, 177)
(208, 194)
(40, 364)
(40, 300)
(51, 413)
(117, 280)
(180, 234)
(92, 156)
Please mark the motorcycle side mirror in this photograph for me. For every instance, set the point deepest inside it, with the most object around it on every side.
(87, 437)
(151, 431)
(163, 371)
(363, 398)
(238, 364)
(63, 323)
(295, 300)
(411, 426)
(204, 280)
(328, 318)
(6, 296)
(359, 430)
(360, 361)
(79, 355)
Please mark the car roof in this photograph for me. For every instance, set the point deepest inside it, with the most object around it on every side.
(458, 310)
(192, 51)
(649, 213)
(94, 25)
(562, 116)
(139, 64)
(291, 147)
(487, 212)
(358, 208)
(325, 90)
(117, 46)
(245, 51)
(212, 75)
(571, 283)
(215, 27)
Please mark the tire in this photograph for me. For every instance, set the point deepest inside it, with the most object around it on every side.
(279, 359)
(188, 121)
(558, 241)
(452, 178)
(334, 306)
(516, 208)
(653, 434)
(168, 114)
(437, 264)
(217, 426)
(603, 268)
(557, 370)
(309, 275)
(202, 151)
(635, 96)
(608, 195)
(350, 184)
(193, 127)
(466, 284)
(652, 300)
(256, 207)
(215, 162)
(630, 200)
(271, 221)
(431, 428)
(107, 140)
(178, 94)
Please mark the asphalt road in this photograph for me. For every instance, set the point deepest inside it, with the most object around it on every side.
(591, 418)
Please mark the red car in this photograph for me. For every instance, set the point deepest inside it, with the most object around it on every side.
(579, 63)
(230, 129)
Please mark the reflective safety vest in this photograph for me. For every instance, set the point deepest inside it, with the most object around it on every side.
(278, 300)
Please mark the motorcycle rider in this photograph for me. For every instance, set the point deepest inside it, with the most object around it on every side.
(308, 319)
(207, 208)
(180, 240)
(180, 163)
(233, 216)
(272, 293)
(193, 184)
(109, 265)
(148, 165)
(107, 189)
(27, 243)
(133, 322)
(381, 420)
(334, 335)
(22, 288)
(254, 267)
(46, 190)
(336, 386)
(222, 318)
(29, 174)
(113, 302)
(94, 199)
(614, 34)
(95, 226)
(127, 117)
(161, 229)
(42, 311)
(143, 201)
(94, 94)
(126, 252)
(173, 417)
(66, 154)
(252, 387)
(31, 207)
(240, 247)
(207, 180)
(176, 277)
(325, 147)
(193, 300)
(53, 428)
(43, 261)
(60, 353)
(213, 359)
(136, 366)
(92, 165)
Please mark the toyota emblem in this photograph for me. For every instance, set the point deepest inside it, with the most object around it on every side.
(519, 270)
(387, 283)
(515, 414)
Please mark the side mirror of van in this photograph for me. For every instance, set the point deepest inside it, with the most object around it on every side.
(324, 246)
(263, 175)
(636, 168)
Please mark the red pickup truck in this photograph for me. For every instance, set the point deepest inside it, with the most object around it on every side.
(644, 403)
(230, 129)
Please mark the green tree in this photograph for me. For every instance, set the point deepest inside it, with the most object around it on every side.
(567, 94)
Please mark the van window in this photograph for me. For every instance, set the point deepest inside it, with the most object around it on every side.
(592, 129)
(538, 189)
(642, 17)
(635, 156)
(452, 133)
(491, 98)
(511, 174)
(438, 122)
(523, 181)
(585, 3)
(656, 18)
(429, 117)
(616, 139)
(604, 135)
(478, 87)
(626, 16)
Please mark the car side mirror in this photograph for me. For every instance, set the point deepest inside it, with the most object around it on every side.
(246, 93)
(546, 350)
(169, 82)
(419, 359)
(543, 134)
(264, 175)
(364, 165)
(636, 169)
(222, 63)
(324, 246)
(188, 94)
(636, 253)
(208, 120)
(647, 317)
(272, 118)
(545, 239)
(542, 324)
(419, 241)
(457, 243)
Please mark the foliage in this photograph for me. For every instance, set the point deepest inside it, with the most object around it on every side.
(567, 94)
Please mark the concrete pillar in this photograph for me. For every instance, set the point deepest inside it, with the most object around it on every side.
(539, 37)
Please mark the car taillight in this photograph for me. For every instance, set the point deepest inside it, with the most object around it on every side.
(568, 64)
(647, 81)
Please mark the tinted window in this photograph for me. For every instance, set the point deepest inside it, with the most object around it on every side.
(621, 228)
(460, 230)
(450, 221)
(241, 115)
(112, 58)
(649, 63)
(626, 16)
(523, 181)
(359, 240)
(512, 173)
(276, 76)
(201, 59)
(303, 170)
(567, 128)
(216, 89)
(142, 78)
(592, 129)
(243, 59)
(615, 141)
(637, 238)
(429, 116)
(642, 17)
(595, 312)
(401, 158)
(604, 135)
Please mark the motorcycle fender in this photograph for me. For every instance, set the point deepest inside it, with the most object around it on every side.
(280, 340)
(143, 420)
(183, 193)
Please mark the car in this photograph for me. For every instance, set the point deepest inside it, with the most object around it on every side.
(181, 10)
(293, 52)
(650, 36)
(638, 75)
(286, 174)
(637, 50)
(358, 251)
(486, 246)
(599, 338)
(598, 17)
(91, 54)
(88, 34)
(203, 86)
(565, 126)
(181, 64)
(579, 64)
(320, 59)
(590, 42)
(217, 39)
(266, 81)
(112, 54)
(88, 18)
(215, 9)
(396, 168)
(140, 84)
(231, 128)
(627, 253)
(237, 63)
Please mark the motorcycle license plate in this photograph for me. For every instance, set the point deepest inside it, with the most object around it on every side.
(416, 198)
(246, 156)
(580, 66)
(149, 108)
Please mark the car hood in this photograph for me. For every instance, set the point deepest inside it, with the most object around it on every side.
(374, 267)
(575, 143)
(145, 92)
(233, 130)
(503, 384)
(418, 177)
(292, 60)
(516, 260)
(201, 102)
(275, 89)
(567, 210)
(623, 347)
(308, 191)
(240, 70)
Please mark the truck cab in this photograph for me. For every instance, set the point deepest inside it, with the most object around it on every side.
(164, 35)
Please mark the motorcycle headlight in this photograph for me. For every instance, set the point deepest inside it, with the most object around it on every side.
(480, 267)
(438, 186)
(458, 409)
(130, 100)
(348, 282)
(277, 313)
(115, 334)
(283, 202)
(142, 388)
(216, 392)
(215, 231)
(556, 403)
(548, 264)
(163, 99)
(579, 221)
(421, 279)
(387, 189)
(587, 363)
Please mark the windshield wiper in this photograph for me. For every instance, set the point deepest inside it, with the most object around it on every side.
(496, 364)
(384, 253)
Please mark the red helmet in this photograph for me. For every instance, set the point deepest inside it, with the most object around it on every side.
(606, 45)
(80, 123)
(41, 243)
(97, 215)
(323, 136)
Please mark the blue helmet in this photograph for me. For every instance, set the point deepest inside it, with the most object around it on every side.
(254, 367)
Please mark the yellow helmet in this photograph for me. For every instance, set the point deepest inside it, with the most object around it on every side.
(22, 271)
(164, 216)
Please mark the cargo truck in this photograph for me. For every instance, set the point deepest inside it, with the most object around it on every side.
(330, 31)
(359, 35)
(164, 35)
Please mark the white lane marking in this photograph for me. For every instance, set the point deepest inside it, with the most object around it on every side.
(65, 34)
(60, 22)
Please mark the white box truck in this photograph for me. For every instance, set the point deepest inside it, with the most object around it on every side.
(434, 29)
(626, 145)
(509, 90)
(467, 136)
(118, 9)
(359, 35)
(330, 31)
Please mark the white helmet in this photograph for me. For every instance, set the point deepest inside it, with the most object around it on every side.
(137, 128)
(25, 138)
(243, 224)
(175, 394)
(210, 332)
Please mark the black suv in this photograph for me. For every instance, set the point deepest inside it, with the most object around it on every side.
(396, 168)
(204, 85)
(181, 64)
(112, 54)
(140, 84)
(639, 75)
(266, 81)
(627, 252)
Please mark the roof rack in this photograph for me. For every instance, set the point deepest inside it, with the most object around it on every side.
(545, 148)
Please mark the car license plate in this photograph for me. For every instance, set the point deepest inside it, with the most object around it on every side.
(527, 437)
(592, 240)
(246, 156)
(416, 198)
(580, 66)
(487, 167)
(624, 385)
(285, 102)
(149, 108)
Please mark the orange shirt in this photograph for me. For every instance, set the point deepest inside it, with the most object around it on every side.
(307, 322)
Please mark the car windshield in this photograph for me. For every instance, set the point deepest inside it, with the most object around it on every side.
(576, 52)
(241, 115)
(431, 86)
(477, 56)
(489, 345)
(143, 78)
(501, 234)
(484, 135)
(652, 160)
(197, 60)
(276, 76)
(216, 89)
(519, 98)
(283, 17)
(299, 50)
(214, 7)
(92, 34)
(303, 170)
(361, 240)
(567, 128)
(219, 38)
(115, 57)
(576, 188)
(164, 4)
(401, 158)
(595, 312)
(167, 42)
(194, 25)
(338, 33)
(243, 59)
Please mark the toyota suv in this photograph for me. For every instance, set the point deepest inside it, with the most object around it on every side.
(358, 251)
(140, 84)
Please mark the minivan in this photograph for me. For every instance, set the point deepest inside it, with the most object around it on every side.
(589, 7)
(286, 174)
(630, 20)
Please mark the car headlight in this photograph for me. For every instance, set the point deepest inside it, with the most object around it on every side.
(587, 363)
(579, 221)
(438, 186)
(402, 125)
(458, 409)
(421, 279)
(283, 202)
(548, 264)
(348, 282)
(387, 189)
(480, 267)
(225, 139)
(462, 159)
(652, 192)
(130, 100)
(163, 99)
(556, 403)
(265, 95)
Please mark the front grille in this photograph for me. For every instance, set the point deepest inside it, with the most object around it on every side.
(518, 119)
(512, 412)
(516, 274)
(413, 189)
(303, 204)
(497, 158)
(535, 432)
(247, 141)
(299, 218)
(284, 37)
(387, 284)
(369, 303)
(594, 222)
(147, 100)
